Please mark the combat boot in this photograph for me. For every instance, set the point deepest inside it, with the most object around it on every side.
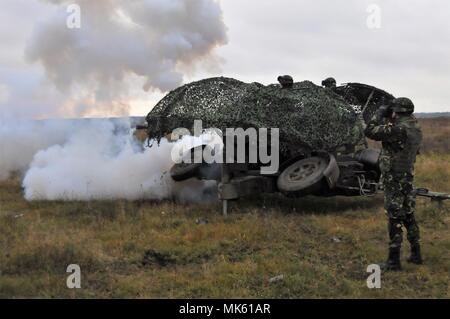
(393, 262)
(416, 256)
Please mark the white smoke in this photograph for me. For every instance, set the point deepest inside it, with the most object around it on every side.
(94, 69)
(21, 140)
(102, 160)
(120, 42)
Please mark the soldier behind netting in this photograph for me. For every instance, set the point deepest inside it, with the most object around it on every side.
(329, 83)
(286, 81)
(401, 137)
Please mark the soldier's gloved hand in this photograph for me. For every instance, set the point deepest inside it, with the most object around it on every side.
(382, 112)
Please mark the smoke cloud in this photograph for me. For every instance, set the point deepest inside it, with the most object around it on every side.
(94, 71)
(95, 159)
(21, 140)
(121, 43)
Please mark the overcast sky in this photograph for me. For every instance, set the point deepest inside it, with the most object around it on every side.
(408, 55)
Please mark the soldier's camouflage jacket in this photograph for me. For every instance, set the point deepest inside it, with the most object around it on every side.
(401, 139)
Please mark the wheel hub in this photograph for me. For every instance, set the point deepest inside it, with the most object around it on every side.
(303, 171)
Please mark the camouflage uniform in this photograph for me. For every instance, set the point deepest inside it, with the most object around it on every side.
(401, 138)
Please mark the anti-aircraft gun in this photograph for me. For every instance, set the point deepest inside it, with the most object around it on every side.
(320, 134)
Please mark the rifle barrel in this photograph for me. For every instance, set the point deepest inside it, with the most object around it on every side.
(433, 195)
(141, 127)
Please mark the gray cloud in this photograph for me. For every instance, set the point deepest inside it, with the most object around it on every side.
(118, 38)
(91, 66)
(408, 56)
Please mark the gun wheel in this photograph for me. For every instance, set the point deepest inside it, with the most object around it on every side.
(304, 176)
(185, 170)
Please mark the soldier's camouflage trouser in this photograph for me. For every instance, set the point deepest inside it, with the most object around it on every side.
(399, 203)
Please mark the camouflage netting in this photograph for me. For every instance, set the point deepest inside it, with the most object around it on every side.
(307, 115)
(368, 98)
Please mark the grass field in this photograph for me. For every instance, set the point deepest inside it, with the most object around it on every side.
(322, 247)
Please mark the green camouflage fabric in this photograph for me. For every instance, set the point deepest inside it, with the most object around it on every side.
(309, 117)
(399, 204)
(401, 139)
(366, 98)
(403, 105)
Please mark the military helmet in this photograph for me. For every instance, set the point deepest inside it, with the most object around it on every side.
(329, 82)
(403, 105)
(286, 81)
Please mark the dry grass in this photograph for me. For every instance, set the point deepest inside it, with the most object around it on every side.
(436, 135)
(149, 249)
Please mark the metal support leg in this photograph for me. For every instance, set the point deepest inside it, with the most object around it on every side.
(439, 203)
(225, 180)
(225, 207)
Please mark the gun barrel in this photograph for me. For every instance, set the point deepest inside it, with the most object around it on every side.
(141, 127)
(433, 195)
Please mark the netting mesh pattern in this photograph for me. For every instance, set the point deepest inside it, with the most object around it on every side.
(307, 115)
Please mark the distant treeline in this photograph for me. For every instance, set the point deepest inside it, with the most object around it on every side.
(432, 115)
(140, 120)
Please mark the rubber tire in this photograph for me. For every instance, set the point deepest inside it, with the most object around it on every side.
(183, 171)
(312, 182)
(210, 172)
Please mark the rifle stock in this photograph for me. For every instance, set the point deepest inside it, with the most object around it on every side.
(433, 195)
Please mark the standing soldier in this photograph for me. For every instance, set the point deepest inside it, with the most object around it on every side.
(401, 137)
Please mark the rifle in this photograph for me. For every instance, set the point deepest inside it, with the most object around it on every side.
(434, 196)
